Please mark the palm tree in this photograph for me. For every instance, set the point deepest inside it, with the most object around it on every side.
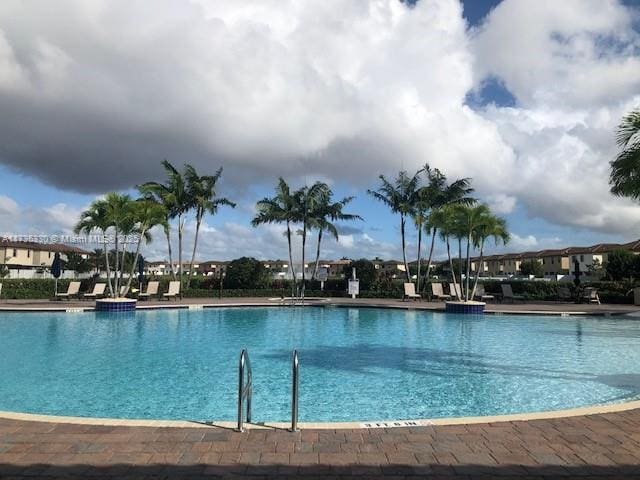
(279, 209)
(324, 214)
(625, 169)
(175, 197)
(147, 214)
(400, 197)
(442, 221)
(119, 215)
(306, 201)
(490, 227)
(95, 219)
(202, 192)
(441, 194)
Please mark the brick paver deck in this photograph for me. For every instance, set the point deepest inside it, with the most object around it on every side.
(598, 446)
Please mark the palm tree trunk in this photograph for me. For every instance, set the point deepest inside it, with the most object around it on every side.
(315, 269)
(195, 244)
(135, 261)
(123, 264)
(304, 242)
(466, 280)
(106, 262)
(453, 272)
(293, 272)
(460, 266)
(404, 249)
(419, 255)
(481, 265)
(433, 242)
(167, 234)
(180, 231)
(115, 276)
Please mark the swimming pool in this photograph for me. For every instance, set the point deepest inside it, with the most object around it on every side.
(356, 363)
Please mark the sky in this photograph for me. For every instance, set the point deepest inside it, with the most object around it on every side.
(521, 96)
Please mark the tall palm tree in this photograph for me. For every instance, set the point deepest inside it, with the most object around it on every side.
(174, 195)
(162, 194)
(279, 209)
(119, 215)
(440, 194)
(306, 201)
(400, 197)
(625, 168)
(442, 220)
(147, 214)
(95, 219)
(490, 227)
(202, 192)
(325, 213)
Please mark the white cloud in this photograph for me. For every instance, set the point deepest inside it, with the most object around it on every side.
(574, 69)
(7, 206)
(501, 204)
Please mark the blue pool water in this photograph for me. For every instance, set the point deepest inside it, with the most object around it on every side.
(356, 364)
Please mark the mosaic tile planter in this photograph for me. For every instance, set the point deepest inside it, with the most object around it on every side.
(116, 305)
(467, 308)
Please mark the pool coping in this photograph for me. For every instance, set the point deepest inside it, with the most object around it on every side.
(324, 302)
(364, 425)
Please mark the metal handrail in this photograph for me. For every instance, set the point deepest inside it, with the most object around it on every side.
(245, 390)
(295, 366)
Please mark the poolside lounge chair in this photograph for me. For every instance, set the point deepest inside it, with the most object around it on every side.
(98, 291)
(482, 295)
(438, 293)
(0, 290)
(152, 290)
(410, 292)
(174, 290)
(590, 295)
(507, 293)
(73, 290)
(454, 290)
(564, 294)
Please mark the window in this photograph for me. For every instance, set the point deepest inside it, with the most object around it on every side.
(28, 253)
(552, 261)
(49, 254)
(15, 252)
(573, 258)
(582, 258)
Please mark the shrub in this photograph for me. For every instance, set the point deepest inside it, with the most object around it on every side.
(245, 272)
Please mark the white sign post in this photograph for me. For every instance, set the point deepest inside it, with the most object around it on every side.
(323, 276)
(354, 284)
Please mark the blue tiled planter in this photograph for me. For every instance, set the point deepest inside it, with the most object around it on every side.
(115, 305)
(467, 308)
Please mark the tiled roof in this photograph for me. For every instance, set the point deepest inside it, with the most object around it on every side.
(43, 247)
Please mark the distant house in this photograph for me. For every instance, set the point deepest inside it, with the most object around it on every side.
(31, 259)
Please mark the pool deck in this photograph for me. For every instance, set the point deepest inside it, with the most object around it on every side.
(547, 308)
(592, 446)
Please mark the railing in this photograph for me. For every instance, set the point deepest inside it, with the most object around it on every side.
(294, 391)
(245, 390)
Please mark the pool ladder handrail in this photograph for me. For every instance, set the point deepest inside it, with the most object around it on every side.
(245, 389)
(295, 377)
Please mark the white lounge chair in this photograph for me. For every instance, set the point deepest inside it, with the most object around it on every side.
(454, 290)
(152, 291)
(438, 293)
(0, 290)
(507, 293)
(98, 291)
(410, 291)
(482, 295)
(590, 295)
(174, 290)
(73, 290)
